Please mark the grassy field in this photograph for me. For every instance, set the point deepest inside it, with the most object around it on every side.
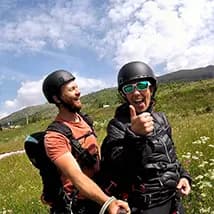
(190, 110)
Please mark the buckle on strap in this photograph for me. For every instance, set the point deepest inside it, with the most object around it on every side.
(141, 188)
(110, 188)
(147, 198)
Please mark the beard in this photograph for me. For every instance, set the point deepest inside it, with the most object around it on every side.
(73, 108)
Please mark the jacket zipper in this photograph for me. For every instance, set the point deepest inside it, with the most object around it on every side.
(165, 147)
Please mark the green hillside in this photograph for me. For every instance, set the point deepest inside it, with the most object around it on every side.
(190, 110)
(186, 98)
(176, 99)
(189, 75)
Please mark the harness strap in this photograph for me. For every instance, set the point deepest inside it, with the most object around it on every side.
(110, 189)
(142, 200)
(162, 166)
(83, 155)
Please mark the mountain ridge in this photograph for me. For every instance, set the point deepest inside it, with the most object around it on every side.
(201, 73)
(46, 111)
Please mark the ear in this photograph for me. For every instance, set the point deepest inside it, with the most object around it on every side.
(56, 99)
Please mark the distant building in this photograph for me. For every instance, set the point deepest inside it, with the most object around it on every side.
(106, 106)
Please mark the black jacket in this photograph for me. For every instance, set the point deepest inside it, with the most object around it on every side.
(144, 167)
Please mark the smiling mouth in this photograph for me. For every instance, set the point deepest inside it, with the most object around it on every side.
(139, 101)
(77, 99)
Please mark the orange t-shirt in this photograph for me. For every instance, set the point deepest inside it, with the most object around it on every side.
(57, 144)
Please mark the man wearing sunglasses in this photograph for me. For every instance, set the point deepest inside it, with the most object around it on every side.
(139, 163)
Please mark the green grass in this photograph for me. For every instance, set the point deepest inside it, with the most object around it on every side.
(12, 139)
(20, 187)
(190, 110)
(186, 98)
(194, 137)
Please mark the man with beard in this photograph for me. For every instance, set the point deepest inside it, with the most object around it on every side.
(139, 162)
(60, 88)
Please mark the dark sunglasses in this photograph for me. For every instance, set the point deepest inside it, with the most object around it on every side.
(140, 86)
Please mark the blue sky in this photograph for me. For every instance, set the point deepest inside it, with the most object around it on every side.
(93, 39)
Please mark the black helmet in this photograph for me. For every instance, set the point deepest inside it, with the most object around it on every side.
(135, 71)
(53, 82)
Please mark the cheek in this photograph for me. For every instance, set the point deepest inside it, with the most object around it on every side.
(67, 97)
(148, 97)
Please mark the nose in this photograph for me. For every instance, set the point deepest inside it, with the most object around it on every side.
(77, 92)
(136, 91)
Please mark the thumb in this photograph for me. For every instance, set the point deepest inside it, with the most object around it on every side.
(179, 185)
(132, 112)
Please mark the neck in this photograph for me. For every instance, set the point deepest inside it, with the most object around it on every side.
(68, 116)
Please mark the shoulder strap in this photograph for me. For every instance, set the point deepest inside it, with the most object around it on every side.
(66, 131)
(84, 157)
(89, 121)
(61, 128)
(87, 118)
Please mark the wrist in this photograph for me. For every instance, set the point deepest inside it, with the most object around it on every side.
(106, 204)
(134, 136)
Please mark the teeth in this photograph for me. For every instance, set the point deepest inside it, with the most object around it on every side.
(138, 101)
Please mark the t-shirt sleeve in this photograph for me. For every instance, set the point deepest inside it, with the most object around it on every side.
(56, 145)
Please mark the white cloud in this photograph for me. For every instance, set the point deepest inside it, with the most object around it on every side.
(60, 26)
(30, 93)
(3, 114)
(157, 32)
(175, 34)
(88, 85)
(179, 34)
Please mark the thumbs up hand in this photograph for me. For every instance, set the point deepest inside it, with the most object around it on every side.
(141, 124)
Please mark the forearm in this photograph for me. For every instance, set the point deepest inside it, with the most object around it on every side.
(88, 187)
(185, 174)
(70, 168)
